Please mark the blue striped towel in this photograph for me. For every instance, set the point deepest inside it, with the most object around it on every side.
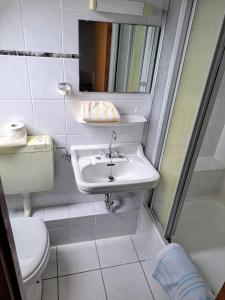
(178, 276)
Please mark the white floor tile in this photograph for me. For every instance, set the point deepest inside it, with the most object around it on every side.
(126, 282)
(84, 286)
(81, 209)
(82, 213)
(157, 291)
(51, 270)
(147, 244)
(116, 251)
(100, 208)
(50, 291)
(75, 258)
(56, 212)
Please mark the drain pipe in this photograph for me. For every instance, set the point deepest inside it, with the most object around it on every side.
(26, 204)
(109, 202)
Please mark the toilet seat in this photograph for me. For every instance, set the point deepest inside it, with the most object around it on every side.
(32, 245)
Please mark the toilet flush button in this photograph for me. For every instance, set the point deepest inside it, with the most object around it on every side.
(39, 141)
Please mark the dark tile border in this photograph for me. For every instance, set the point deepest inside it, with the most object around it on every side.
(38, 54)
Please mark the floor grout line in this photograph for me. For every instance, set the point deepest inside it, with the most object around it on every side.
(142, 268)
(77, 273)
(57, 272)
(135, 248)
(101, 271)
(42, 292)
(147, 281)
(49, 278)
(124, 264)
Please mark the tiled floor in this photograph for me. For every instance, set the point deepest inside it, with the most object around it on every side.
(108, 269)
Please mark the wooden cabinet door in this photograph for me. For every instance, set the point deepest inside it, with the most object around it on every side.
(102, 46)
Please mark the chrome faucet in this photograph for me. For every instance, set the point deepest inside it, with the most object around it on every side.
(110, 153)
(112, 137)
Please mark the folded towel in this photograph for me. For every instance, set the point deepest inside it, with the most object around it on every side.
(178, 276)
(99, 111)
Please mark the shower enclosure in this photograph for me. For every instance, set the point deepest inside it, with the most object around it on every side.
(189, 202)
(201, 226)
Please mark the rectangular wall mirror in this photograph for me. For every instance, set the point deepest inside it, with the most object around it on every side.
(117, 58)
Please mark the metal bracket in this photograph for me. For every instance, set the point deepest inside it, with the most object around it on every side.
(66, 155)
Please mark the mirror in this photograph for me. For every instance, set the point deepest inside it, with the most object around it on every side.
(117, 57)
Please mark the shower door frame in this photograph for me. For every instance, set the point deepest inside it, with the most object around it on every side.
(178, 56)
(209, 97)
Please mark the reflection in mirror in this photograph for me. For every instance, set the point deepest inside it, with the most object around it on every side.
(117, 57)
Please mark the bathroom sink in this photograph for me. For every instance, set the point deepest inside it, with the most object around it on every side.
(96, 173)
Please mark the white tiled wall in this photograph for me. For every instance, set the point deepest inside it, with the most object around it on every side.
(29, 84)
(215, 125)
(11, 21)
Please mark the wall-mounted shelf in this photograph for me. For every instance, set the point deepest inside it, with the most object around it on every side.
(125, 120)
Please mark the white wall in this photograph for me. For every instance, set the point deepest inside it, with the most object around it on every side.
(216, 125)
(29, 84)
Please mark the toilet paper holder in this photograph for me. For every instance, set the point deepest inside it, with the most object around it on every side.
(64, 88)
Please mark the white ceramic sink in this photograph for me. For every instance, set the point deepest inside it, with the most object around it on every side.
(130, 171)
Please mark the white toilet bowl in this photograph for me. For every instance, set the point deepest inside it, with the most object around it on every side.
(33, 249)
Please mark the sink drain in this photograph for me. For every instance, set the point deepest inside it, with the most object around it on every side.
(111, 178)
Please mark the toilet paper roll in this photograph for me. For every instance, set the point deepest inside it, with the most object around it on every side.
(15, 130)
(15, 135)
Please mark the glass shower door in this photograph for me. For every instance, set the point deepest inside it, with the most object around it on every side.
(204, 35)
(201, 226)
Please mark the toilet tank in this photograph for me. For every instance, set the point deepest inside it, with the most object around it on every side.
(30, 168)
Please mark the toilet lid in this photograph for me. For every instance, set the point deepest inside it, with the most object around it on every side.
(31, 240)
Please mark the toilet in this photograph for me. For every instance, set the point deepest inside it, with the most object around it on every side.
(27, 169)
(33, 250)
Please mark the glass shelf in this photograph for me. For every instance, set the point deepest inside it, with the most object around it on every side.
(125, 120)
